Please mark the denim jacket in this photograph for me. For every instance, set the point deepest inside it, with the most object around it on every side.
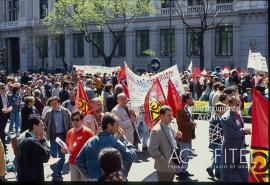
(12, 101)
(87, 159)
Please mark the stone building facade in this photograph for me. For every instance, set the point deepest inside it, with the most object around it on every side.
(28, 43)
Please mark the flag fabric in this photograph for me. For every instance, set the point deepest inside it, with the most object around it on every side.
(173, 98)
(125, 89)
(82, 102)
(196, 71)
(190, 67)
(154, 99)
(121, 74)
(259, 162)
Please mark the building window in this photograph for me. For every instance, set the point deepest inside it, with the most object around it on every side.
(98, 39)
(165, 42)
(13, 10)
(43, 46)
(60, 46)
(224, 41)
(195, 2)
(78, 45)
(166, 3)
(193, 48)
(142, 41)
(43, 6)
(121, 47)
(224, 1)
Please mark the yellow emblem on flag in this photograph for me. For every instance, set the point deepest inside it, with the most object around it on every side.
(260, 164)
(154, 108)
(83, 105)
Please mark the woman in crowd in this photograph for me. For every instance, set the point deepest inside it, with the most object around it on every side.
(27, 110)
(110, 161)
(15, 100)
(107, 92)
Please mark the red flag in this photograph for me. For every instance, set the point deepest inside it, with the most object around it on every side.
(196, 71)
(121, 74)
(125, 88)
(82, 102)
(259, 162)
(154, 99)
(173, 98)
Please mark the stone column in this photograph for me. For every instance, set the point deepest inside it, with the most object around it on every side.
(130, 46)
(68, 51)
(50, 53)
(23, 53)
(179, 46)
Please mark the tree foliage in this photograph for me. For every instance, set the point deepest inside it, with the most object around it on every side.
(80, 14)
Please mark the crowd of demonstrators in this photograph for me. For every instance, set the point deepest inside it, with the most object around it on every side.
(112, 123)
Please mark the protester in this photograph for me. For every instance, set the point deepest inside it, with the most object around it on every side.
(32, 152)
(58, 122)
(15, 100)
(112, 99)
(70, 103)
(2, 162)
(127, 118)
(75, 139)
(87, 160)
(93, 120)
(38, 103)
(89, 89)
(186, 125)
(5, 109)
(162, 144)
(27, 110)
(110, 161)
(215, 139)
(234, 132)
(107, 92)
(56, 89)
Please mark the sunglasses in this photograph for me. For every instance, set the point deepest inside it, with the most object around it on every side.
(76, 120)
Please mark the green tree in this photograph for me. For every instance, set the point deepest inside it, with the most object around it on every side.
(113, 14)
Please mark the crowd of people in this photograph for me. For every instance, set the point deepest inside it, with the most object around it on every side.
(40, 109)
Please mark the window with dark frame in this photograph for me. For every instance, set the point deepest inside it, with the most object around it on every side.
(165, 41)
(98, 38)
(78, 45)
(121, 47)
(166, 3)
(193, 48)
(224, 1)
(43, 46)
(13, 10)
(43, 8)
(142, 42)
(60, 46)
(224, 41)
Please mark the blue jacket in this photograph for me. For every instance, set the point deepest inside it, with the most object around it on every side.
(87, 159)
(12, 101)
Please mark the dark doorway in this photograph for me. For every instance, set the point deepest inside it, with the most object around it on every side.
(15, 54)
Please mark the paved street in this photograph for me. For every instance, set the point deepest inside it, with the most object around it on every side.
(143, 167)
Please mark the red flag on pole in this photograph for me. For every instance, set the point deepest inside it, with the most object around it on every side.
(125, 89)
(259, 162)
(154, 99)
(121, 74)
(173, 98)
(82, 102)
(196, 71)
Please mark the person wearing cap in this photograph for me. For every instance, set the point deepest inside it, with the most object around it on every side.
(218, 73)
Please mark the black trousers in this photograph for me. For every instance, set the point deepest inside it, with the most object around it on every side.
(3, 123)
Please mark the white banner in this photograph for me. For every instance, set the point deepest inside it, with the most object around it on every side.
(257, 62)
(94, 69)
(138, 86)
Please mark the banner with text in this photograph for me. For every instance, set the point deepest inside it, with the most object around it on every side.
(83, 70)
(257, 62)
(138, 86)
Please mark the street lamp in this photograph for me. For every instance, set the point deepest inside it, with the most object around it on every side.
(170, 54)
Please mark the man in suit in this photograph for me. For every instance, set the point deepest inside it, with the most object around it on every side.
(234, 167)
(186, 125)
(111, 100)
(4, 113)
(162, 144)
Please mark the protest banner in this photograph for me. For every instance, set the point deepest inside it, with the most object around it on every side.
(257, 62)
(138, 86)
(83, 70)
